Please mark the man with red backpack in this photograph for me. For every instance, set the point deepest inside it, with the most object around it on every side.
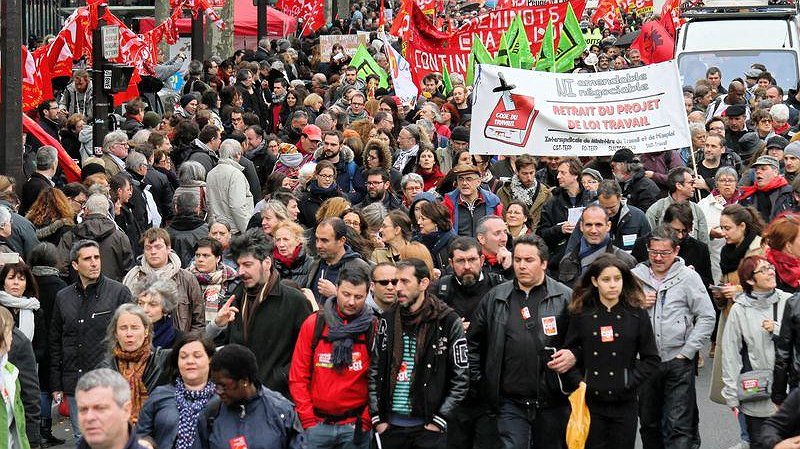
(328, 375)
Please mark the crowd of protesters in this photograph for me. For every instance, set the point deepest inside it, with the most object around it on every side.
(368, 277)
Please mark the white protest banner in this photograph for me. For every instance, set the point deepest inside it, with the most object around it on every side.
(350, 43)
(518, 111)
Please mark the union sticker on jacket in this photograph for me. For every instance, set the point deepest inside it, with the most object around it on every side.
(549, 326)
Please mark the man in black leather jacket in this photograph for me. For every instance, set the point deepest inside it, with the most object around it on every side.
(515, 359)
(419, 370)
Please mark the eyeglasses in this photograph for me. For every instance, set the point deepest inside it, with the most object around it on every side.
(469, 260)
(468, 179)
(726, 181)
(765, 269)
(320, 175)
(386, 282)
(657, 253)
(374, 183)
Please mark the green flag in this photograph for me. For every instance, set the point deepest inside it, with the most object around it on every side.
(547, 55)
(519, 47)
(571, 42)
(502, 58)
(478, 55)
(366, 65)
(448, 84)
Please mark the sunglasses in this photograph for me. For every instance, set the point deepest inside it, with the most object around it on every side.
(386, 282)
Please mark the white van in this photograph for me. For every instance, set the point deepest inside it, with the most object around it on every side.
(732, 36)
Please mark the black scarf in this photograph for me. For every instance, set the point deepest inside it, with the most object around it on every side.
(731, 254)
(417, 323)
(321, 193)
(343, 334)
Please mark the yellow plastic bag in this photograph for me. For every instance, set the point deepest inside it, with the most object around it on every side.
(578, 426)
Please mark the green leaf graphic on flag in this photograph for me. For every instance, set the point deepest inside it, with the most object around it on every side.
(502, 58)
(571, 42)
(547, 55)
(478, 55)
(366, 65)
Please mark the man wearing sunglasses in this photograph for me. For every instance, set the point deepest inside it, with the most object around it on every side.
(383, 291)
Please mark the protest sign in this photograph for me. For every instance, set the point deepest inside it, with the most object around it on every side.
(427, 49)
(583, 114)
(350, 43)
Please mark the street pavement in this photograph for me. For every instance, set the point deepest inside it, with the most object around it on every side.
(718, 428)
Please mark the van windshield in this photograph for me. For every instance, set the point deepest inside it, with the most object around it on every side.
(782, 64)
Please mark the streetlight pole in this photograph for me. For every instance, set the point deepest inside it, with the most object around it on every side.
(11, 102)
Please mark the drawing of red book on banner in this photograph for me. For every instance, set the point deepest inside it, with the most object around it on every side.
(512, 118)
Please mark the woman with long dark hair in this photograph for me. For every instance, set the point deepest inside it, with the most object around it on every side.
(612, 339)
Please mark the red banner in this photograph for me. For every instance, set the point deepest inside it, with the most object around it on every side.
(311, 12)
(65, 162)
(608, 12)
(654, 43)
(32, 91)
(429, 49)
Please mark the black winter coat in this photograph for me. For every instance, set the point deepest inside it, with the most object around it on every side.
(641, 191)
(79, 323)
(31, 190)
(162, 190)
(486, 338)
(49, 286)
(440, 380)
(613, 365)
(555, 212)
(787, 351)
(272, 332)
(785, 423)
(184, 232)
(153, 375)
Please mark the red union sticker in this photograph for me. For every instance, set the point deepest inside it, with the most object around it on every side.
(237, 443)
(511, 119)
(750, 384)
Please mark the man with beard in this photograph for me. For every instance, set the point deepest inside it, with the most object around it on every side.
(275, 99)
(341, 156)
(333, 254)
(268, 314)
(49, 118)
(639, 190)
(421, 338)
(713, 157)
(526, 188)
(548, 175)
(378, 191)
(470, 425)
(328, 377)
(78, 97)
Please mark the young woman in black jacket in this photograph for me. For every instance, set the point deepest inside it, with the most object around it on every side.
(607, 331)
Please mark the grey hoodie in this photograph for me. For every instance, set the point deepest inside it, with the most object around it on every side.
(744, 323)
(683, 316)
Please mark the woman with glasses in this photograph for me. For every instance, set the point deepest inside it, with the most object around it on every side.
(158, 298)
(748, 343)
(320, 188)
(396, 232)
(168, 417)
(609, 300)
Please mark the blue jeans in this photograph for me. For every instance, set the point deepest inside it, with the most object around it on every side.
(332, 436)
(46, 405)
(73, 416)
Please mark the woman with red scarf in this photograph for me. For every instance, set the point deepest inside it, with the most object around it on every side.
(428, 168)
(783, 241)
(290, 258)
